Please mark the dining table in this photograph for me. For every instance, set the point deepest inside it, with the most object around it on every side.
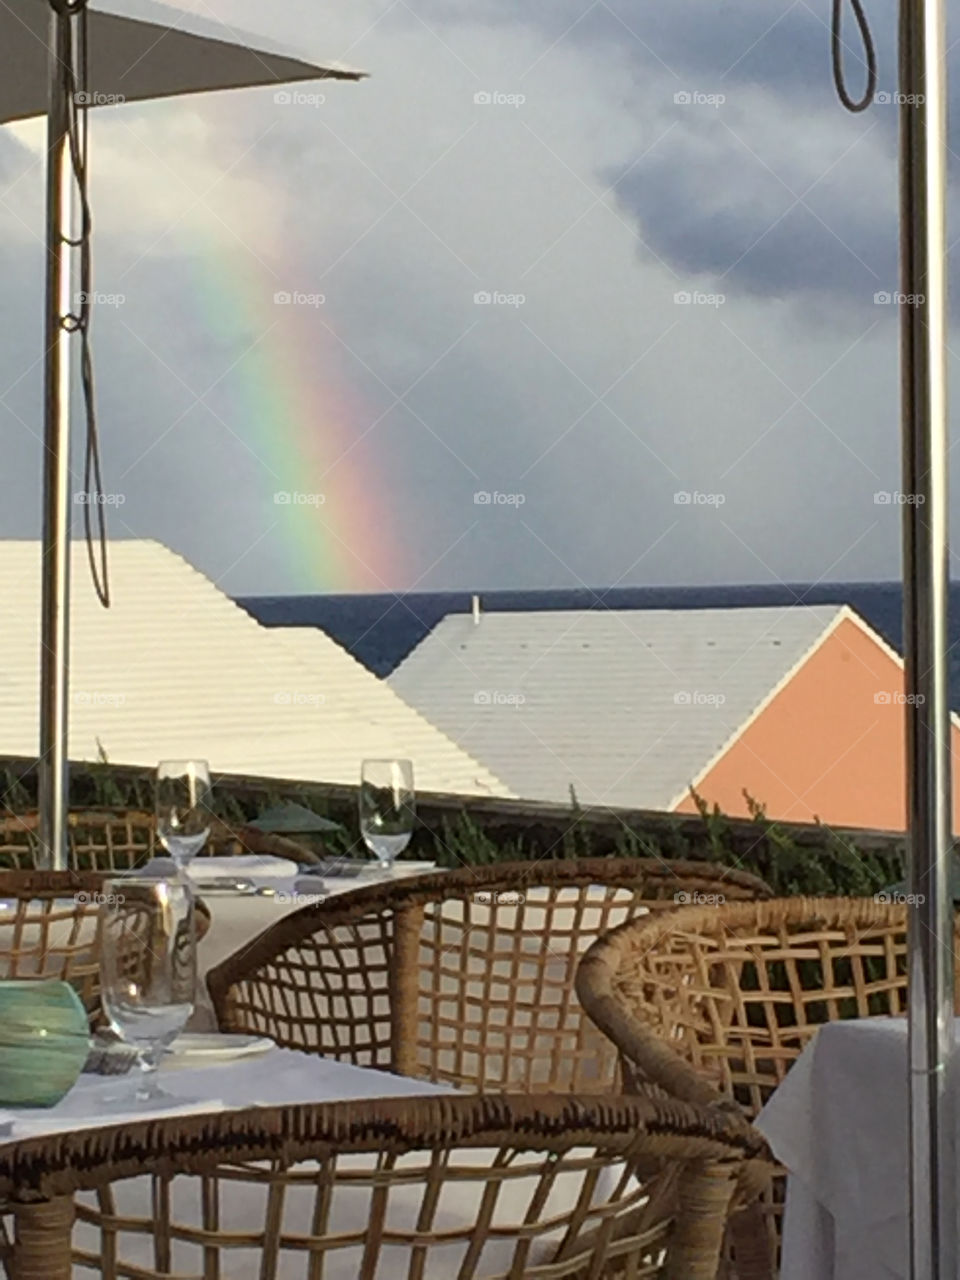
(838, 1122)
(260, 1074)
(203, 1083)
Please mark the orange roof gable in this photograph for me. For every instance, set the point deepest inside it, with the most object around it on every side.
(829, 745)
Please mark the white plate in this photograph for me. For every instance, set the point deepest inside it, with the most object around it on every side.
(202, 1044)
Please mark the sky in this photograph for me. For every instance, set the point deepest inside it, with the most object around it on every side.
(564, 294)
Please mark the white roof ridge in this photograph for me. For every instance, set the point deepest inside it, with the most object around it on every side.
(888, 649)
(390, 693)
(179, 666)
(843, 612)
(456, 616)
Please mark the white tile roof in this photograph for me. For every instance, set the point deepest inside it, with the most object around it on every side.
(174, 668)
(627, 707)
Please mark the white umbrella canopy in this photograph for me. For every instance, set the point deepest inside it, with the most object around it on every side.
(132, 50)
(138, 50)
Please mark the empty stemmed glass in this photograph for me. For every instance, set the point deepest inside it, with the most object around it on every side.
(182, 793)
(387, 808)
(148, 967)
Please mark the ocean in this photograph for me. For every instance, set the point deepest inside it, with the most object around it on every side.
(380, 630)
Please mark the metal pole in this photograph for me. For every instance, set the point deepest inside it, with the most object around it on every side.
(55, 618)
(923, 150)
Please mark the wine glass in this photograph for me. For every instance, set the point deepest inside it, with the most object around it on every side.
(387, 808)
(182, 792)
(148, 967)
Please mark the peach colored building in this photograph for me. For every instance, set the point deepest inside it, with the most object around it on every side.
(828, 743)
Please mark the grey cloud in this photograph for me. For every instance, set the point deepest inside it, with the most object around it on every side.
(708, 208)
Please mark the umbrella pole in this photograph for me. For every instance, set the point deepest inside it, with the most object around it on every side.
(923, 138)
(53, 770)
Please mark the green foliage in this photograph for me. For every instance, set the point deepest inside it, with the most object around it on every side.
(464, 843)
(815, 860)
(829, 865)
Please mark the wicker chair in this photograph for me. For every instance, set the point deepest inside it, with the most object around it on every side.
(464, 977)
(49, 929)
(424, 1188)
(122, 839)
(714, 1005)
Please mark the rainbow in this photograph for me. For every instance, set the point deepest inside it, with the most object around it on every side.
(291, 403)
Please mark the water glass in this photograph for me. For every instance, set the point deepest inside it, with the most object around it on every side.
(183, 792)
(387, 808)
(148, 967)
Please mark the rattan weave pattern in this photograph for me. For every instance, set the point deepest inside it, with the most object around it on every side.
(466, 977)
(364, 1189)
(123, 839)
(716, 1003)
(49, 928)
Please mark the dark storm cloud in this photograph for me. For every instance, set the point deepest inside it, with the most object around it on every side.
(710, 207)
(718, 202)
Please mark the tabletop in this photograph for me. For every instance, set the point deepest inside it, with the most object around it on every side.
(244, 1204)
(270, 1079)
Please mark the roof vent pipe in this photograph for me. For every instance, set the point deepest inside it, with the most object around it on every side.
(475, 606)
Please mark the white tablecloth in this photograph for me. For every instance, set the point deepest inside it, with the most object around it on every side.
(271, 1079)
(839, 1124)
(283, 1076)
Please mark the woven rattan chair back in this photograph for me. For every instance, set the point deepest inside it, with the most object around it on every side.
(123, 839)
(428, 1188)
(715, 1003)
(466, 977)
(49, 929)
(719, 1002)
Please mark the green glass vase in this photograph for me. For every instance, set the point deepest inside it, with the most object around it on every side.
(44, 1041)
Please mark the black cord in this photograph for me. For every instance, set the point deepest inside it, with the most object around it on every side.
(836, 45)
(74, 72)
